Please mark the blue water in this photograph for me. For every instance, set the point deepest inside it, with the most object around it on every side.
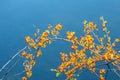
(18, 19)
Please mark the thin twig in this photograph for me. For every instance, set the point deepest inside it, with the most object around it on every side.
(12, 58)
(7, 72)
(19, 73)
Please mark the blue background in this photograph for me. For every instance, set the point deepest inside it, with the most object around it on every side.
(18, 19)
